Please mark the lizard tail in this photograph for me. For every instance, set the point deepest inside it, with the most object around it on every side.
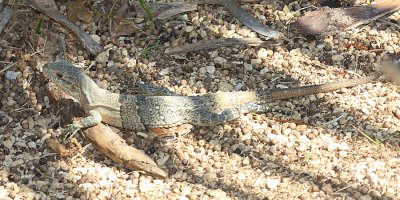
(277, 94)
(220, 101)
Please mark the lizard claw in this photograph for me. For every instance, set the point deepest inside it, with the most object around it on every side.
(69, 131)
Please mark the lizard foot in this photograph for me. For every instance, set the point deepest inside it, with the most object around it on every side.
(172, 133)
(70, 131)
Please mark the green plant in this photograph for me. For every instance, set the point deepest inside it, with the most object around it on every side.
(146, 9)
(148, 48)
(39, 26)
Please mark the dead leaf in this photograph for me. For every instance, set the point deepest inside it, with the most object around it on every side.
(57, 147)
(120, 15)
(77, 11)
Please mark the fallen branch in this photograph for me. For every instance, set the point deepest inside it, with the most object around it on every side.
(5, 16)
(51, 11)
(114, 147)
(165, 10)
(248, 20)
(211, 44)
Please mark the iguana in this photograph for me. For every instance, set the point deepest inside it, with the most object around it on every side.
(161, 108)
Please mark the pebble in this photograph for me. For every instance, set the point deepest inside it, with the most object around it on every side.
(332, 146)
(219, 60)
(225, 87)
(272, 183)
(145, 185)
(337, 58)
(12, 75)
(210, 69)
(103, 57)
(248, 67)
(189, 29)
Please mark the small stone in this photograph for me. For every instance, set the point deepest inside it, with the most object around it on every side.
(218, 193)
(262, 53)
(344, 147)
(248, 67)
(189, 29)
(225, 87)
(145, 185)
(203, 70)
(337, 58)
(365, 110)
(210, 69)
(102, 57)
(246, 161)
(343, 153)
(256, 61)
(219, 60)
(327, 188)
(314, 188)
(273, 183)
(286, 131)
(332, 146)
(12, 75)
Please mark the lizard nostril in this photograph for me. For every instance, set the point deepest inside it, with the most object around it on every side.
(59, 75)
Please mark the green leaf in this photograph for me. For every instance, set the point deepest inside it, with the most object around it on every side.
(39, 26)
(148, 48)
(146, 9)
(307, 156)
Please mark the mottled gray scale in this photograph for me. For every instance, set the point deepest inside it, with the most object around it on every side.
(129, 113)
(165, 111)
(204, 117)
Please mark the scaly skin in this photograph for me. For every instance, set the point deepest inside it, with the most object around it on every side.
(145, 112)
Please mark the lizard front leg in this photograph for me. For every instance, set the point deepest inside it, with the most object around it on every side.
(92, 119)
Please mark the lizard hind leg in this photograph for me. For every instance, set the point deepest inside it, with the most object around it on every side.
(208, 118)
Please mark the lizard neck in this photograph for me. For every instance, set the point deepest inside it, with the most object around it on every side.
(91, 94)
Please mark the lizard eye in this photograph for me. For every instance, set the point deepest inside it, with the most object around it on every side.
(59, 75)
(73, 87)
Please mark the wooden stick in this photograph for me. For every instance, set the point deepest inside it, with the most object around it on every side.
(114, 147)
(87, 42)
(5, 16)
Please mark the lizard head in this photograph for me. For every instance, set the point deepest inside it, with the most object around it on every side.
(68, 78)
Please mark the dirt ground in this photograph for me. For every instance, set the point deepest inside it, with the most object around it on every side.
(338, 145)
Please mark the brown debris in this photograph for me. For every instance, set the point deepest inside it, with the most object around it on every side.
(327, 21)
(61, 149)
(120, 13)
(77, 11)
(163, 11)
